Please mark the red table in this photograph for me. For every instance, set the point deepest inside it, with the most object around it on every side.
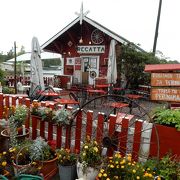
(50, 94)
(133, 96)
(118, 89)
(95, 91)
(65, 102)
(116, 105)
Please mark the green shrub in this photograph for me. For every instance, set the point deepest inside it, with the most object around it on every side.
(167, 117)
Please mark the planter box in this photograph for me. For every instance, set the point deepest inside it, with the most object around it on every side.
(169, 140)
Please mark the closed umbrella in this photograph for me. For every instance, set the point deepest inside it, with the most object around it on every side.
(36, 76)
(112, 66)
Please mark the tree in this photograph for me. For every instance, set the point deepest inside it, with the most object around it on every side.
(131, 64)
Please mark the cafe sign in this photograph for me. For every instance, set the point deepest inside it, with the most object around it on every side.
(165, 79)
(165, 94)
(91, 49)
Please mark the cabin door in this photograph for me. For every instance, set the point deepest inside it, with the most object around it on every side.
(90, 69)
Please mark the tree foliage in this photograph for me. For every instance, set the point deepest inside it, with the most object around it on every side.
(132, 62)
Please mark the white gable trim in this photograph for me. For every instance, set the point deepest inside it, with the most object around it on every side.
(60, 33)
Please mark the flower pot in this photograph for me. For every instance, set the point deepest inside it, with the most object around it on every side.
(5, 144)
(90, 174)
(20, 168)
(67, 172)
(49, 168)
(5, 175)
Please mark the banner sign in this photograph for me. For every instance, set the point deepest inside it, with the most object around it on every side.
(91, 49)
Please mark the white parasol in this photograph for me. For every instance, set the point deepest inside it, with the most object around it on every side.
(112, 66)
(36, 77)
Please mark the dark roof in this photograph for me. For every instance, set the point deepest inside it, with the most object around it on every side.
(162, 67)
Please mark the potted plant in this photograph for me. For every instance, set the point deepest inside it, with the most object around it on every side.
(166, 120)
(44, 156)
(15, 130)
(168, 117)
(62, 117)
(90, 159)
(67, 164)
(119, 167)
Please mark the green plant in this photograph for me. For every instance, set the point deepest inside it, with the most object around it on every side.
(62, 117)
(124, 167)
(66, 157)
(169, 167)
(167, 117)
(90, 155)
(18, 115)
(7, 90)
(41, 151)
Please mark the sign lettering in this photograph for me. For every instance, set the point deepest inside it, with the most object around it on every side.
(165, 94)
(165, 79)
(90, 49)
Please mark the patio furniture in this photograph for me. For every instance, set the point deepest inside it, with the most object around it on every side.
(66, 102)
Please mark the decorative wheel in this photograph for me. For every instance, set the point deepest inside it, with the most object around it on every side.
(97, 36)
(125, 129)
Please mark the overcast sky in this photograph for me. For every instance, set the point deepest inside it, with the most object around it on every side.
(135, 20)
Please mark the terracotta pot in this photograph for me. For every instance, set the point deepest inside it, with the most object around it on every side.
(49, 168)
(20, 168)
(6, 173)
(5, 144)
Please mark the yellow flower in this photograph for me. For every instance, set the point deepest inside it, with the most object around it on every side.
(137, 177)
(122, 167)
(4, 163)
(122, 162)
(95, 149)
(134, 171)
(159, 178)
(102, 170)
(85, 147)
(116, 162)
(111, 166)
(34, 163)
(4, 153)
(129, 158)
(150, 175)
(107, 179)
(99, 175)
(84, 154)
(105, 175)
